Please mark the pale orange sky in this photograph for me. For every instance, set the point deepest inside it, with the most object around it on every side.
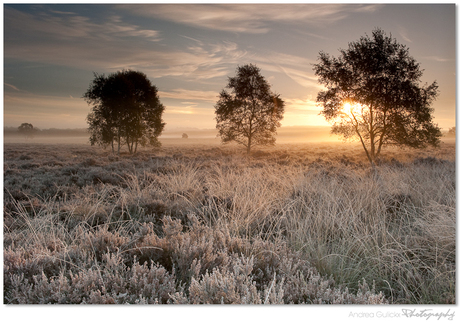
(188, 51)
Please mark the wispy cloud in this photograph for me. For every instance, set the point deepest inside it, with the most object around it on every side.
(302, 105)
(298, 69)
(208, 96)
(74, 40)
(180, 110)
(297, 74)
(68, 25)
(62, 12)
(111, 45)
(436, 58)
(11, 86)
(404, 34)
(249, 18)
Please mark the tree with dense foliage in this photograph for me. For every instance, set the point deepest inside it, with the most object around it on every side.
(373, 93)
(27, 130)
(184, 136)
(126, 110)
(249, 112)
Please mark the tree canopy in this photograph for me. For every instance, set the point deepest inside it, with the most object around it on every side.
(126, 110)
(373, 93)
(27, 129)
(248, 112)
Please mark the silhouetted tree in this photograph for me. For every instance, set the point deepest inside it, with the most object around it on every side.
(451, 132)
(126, 110)
(373, 93)
(27, 130)
(249, 113)
(184, 136)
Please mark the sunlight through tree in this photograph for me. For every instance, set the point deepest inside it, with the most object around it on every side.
(373, 93)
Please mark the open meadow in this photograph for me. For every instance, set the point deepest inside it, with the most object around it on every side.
(199, 222)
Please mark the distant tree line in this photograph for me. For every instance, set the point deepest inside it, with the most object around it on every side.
(371, 93)
(52, 132)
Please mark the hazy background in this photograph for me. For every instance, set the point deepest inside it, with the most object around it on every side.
(188, 51)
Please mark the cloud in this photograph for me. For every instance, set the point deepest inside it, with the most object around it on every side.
(248, 18)
(63, 12)
(436, 58)
(110, 45)
(297, 74)
(189, 110)
(67, 26)
(107, 44)
(301, 105)
(297, 68)
(11, 86)
(403, 33)
(208, 96)
(180, 110)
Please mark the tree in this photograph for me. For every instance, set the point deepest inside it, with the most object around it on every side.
(249, 113)
(184, 136)
(27, 130)
(126, 110)
(373, 93)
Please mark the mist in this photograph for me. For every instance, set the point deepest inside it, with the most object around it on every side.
(288, 134)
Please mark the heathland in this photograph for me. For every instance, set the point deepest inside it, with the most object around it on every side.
(198, 222)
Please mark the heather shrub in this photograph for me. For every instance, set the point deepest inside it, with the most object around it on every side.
(201, 265)
(211, 225)
(110, 283)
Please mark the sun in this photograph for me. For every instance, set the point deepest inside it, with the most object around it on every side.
(347, 108)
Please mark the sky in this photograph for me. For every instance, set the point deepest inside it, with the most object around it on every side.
(188, 51)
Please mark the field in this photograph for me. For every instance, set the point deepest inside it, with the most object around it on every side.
(198, 222)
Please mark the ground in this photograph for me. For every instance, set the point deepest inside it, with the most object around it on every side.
(199, 222)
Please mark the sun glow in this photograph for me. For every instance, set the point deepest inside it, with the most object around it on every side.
(352, 109)
(348, 109)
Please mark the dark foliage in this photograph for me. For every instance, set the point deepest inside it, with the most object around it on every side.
(27, 130)
(126, 110)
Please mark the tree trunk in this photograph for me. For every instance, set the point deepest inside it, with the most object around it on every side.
(382, 135)
(130, 147)
(248, 147)
(369, 157)
(250, 135)
(372, 132)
